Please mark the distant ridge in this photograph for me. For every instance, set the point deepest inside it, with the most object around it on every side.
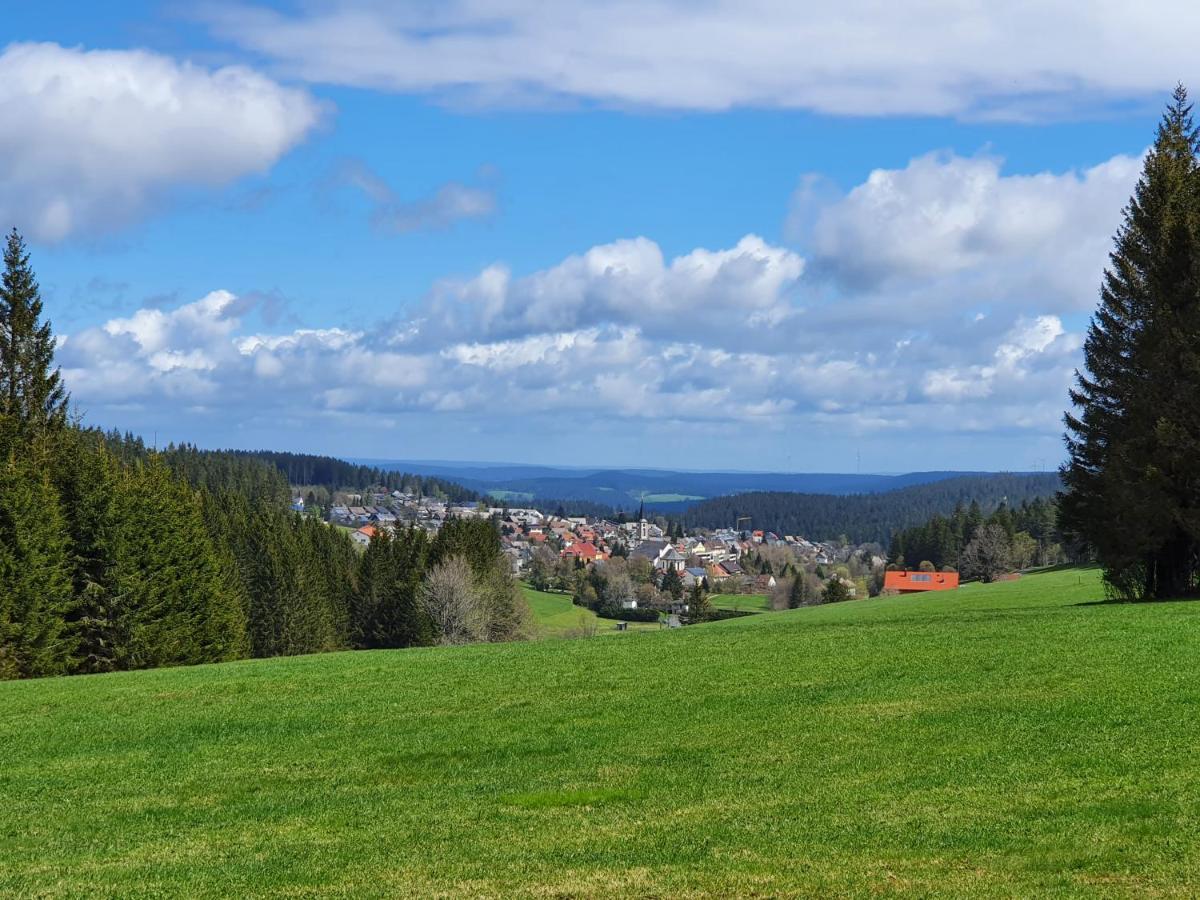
(870, 517)
(664, 490)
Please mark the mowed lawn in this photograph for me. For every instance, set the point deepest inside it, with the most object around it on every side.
(741, 602)
(1004, 740)
(555, 615)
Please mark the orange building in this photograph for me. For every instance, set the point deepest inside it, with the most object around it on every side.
(917, 582)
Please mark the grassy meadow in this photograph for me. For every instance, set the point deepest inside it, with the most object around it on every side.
(741, 602)
(1004, 740)
(554, 615)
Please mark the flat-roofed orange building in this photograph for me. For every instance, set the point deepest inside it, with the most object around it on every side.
(918, 582)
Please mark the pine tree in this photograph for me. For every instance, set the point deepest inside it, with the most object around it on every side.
(385, 608)
(1133, 474)
(175, 607)
(797, 592)
(88, 475)
(32, 395)
(835, 591)
(35, 579)
(700, 609)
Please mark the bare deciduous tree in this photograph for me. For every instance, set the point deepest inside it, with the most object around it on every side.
(988, 555)
(618, 587)
(452, 600)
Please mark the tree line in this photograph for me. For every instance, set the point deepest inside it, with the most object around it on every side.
(865, 518)
(115, 556)
(1029, 535)
(337, 474)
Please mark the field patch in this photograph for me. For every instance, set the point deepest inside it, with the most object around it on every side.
(667, 498)
(741, 602)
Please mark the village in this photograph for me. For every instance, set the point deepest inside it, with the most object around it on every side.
(627, 568)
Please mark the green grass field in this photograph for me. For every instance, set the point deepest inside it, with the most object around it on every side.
(1005, 740)
(742, 602)
(556, 616)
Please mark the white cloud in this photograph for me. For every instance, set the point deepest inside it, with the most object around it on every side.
(959, 227)
(94, 139)
(1034, 358)
(625, 282)
(856, 57)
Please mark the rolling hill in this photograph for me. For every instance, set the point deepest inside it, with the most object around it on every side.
(1008, 740)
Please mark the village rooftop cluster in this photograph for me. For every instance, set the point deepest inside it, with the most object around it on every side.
(716, 558)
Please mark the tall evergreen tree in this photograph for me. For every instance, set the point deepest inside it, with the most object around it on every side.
(385, 609)
(1132, 480)
(31, 390)
(35, 574)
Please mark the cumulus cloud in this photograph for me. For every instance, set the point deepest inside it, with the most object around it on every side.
(625, 282)
(856, 57)
(960, 226)
(1031, 351)
(96, 138)
(202, 356)
(452, 202)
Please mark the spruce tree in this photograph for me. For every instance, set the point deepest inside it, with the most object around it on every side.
(798, 591)
(31, 390)
(35, 574)
(1132, 479)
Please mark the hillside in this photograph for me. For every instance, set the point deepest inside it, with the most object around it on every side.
(1013, 739)
(869, 517)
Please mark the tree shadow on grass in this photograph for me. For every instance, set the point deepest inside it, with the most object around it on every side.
(1117, 601)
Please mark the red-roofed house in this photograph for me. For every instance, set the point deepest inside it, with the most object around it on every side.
(918, 582)
(363, 536)
(581, 550)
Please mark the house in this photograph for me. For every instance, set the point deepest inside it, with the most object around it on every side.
(583, 550)
(764, 583)
(694, 575)
(363, 536)
(918, 582)
(650, 550)
(726, 569)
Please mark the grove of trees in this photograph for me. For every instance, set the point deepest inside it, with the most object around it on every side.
(1030, 534)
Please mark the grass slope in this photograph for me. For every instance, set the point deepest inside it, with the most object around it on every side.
(1006, 740)
(741, 602)
(556, 616)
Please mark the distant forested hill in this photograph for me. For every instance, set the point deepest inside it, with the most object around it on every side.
(327, 471)
(868, 517)
(662, 491)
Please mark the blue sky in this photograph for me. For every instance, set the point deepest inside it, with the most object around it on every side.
(730, 236)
